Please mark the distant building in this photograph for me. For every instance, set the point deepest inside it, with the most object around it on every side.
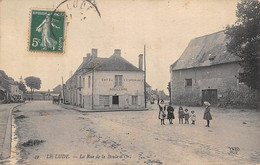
(155, 94)
(106, 83)
(207, 72)
(9, 90)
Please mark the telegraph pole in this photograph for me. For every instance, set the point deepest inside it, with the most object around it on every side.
(144, 79)
(63, 89)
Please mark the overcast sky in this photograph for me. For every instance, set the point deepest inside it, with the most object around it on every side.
(165, 27)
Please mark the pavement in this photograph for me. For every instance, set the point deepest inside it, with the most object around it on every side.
(5, 129)
(67, 106)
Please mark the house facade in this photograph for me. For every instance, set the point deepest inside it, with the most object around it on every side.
(207, 72)
(106, 83)
(9, 90)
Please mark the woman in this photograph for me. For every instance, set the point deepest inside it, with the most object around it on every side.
(207, 116)
(162, 114)
(170, 114)
(45, 29)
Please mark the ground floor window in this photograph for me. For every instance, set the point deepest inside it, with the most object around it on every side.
(115, 100)
(104, 100)
(134, 100)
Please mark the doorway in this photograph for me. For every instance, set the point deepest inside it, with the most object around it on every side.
(115, 100)
(210, 95)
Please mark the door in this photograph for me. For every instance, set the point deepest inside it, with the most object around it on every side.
(210, 95)
(115, 100)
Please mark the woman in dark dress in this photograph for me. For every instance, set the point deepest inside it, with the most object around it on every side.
(170, 114)
(207, 115)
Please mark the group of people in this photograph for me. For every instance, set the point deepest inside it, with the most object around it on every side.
(182, 114)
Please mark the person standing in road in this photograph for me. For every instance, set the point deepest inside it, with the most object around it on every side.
(192, 117)
(207, 115)
(180, 115)
(186, 116)
(170, 114)
(162, 114)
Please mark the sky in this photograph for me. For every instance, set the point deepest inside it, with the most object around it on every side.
(165, 26)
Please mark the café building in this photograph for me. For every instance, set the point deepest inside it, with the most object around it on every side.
(107, 83)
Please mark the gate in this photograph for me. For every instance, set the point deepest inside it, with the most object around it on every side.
(210, 95)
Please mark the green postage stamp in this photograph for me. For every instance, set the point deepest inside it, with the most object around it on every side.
(47, 31)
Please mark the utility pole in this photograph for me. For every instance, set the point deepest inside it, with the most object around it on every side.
(92, 104)
(63, 89)
(144, 80)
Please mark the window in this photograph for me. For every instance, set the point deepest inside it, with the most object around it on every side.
(89, 81)
(188, 82)
(134, 100)
(83, 82)
(80, 81)
(118, 80)
(104, 100)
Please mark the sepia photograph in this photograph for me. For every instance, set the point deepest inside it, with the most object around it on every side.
(129, 82)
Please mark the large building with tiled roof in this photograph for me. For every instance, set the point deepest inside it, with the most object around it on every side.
(106, 83)
(206, 71)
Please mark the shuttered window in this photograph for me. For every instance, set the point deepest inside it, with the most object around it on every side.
(104, 100)
(118, 80)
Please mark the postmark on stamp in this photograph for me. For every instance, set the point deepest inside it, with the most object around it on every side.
(47, 31)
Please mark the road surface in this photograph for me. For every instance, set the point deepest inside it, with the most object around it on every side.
(65, 136)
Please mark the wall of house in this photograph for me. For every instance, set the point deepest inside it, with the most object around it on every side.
(220, 77)
(104, 85)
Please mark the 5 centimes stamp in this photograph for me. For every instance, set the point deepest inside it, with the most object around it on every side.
(47, 31)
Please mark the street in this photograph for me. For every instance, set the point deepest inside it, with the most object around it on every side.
(50, 134)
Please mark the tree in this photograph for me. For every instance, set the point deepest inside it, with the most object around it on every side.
(22, 87)
(244, 41)
(33, 83)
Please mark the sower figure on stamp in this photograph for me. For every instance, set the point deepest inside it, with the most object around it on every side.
(207, 115)
(162, 114)
(45, 28)
(170, 114)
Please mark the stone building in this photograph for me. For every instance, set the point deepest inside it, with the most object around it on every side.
(106, 83)
(207, 72)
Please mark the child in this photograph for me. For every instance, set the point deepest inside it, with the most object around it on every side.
(170, 114)
(180, 115)
(186, 116)
(193, 117)
(162, 114)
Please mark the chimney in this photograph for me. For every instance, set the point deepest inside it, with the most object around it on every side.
(117, 52)
(141, 61)
(87, 57)
(94, 53)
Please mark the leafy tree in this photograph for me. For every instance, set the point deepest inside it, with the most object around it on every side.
(22, 87)
(33, 83)
(244, 40)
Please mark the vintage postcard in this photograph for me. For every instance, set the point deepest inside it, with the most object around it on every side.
(156, 82)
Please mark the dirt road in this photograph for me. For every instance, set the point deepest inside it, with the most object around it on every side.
(49, 134)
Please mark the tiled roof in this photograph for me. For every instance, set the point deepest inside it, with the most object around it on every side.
(205, 51)
(113, 63)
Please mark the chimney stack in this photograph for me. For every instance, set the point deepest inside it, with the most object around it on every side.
(94, 53)
(87, 57)
(117, 52)
(141, 61)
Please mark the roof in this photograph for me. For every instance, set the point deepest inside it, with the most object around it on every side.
(113, 63)
(205, 51)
